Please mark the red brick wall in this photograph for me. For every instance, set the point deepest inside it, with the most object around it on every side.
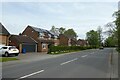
(63, 40)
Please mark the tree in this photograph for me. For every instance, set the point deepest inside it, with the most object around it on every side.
(100, 37)
(70, 33)
(117, 23)
(92, 37)
(111, 29)
(55, 30)
(110, 42)
(62, 30)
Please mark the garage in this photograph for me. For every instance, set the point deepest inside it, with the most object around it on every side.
(29, 47)
(23, 43)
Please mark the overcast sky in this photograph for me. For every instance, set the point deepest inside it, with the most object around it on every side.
(80, 15)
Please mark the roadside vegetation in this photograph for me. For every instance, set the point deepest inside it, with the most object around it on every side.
(113, 39)
(5, 59)
(95, 38)
(117, 23)
(66, 49)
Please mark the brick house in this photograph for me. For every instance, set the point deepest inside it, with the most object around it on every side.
(23, 42)
(82, 42)
(4, 35)
(42, 36)
(66, 41)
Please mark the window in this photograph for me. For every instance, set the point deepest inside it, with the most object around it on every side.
(4, 47)
(41, 35)
(44, 46)
(12, 48)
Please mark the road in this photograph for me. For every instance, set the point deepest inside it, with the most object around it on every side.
(93, 63)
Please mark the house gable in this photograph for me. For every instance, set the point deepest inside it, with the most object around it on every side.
(29, 31)
(3, 30)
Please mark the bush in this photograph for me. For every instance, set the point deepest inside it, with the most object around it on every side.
(64, 49)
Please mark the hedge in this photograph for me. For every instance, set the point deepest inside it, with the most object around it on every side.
(63, 49)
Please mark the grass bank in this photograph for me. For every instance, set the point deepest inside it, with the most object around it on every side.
(6, 59)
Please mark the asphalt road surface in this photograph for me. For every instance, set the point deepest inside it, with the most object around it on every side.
(93, 63)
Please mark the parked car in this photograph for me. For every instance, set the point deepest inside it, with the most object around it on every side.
(9, 50)
(101, 47)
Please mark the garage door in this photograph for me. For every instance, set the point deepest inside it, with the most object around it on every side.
(29, 47)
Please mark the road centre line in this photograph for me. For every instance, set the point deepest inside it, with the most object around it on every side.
(84, 56)
(30, 75)
(68, 61)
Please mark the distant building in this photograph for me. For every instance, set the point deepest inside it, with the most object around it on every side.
(66, 41)
(82, 42)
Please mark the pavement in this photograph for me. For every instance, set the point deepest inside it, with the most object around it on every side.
(93, 63)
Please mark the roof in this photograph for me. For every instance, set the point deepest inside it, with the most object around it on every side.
(3, 30)
(22, 39)
(38, 29)
(43, 31)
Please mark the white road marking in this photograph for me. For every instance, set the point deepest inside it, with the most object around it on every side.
(30, 74)
(84, 56)
(68, 61)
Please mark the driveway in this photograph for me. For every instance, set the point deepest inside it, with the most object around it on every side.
(33, 56)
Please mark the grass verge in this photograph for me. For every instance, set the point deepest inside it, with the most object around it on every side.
(55, 53)
(6, 59)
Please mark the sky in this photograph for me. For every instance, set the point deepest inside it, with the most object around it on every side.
(82, 16)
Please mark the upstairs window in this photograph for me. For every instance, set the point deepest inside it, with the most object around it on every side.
(41, 35)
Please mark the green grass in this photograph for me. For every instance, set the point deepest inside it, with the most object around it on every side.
(5, 59)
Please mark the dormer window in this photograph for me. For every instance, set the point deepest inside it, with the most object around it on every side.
(41, 35)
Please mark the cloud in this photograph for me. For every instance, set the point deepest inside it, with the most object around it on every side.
(60, 0)
(81, 16)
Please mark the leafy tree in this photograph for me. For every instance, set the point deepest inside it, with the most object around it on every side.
(117, 23)
(62, 30)
(55, 30)
(100, 37)
(110, 42)
(71, 33)
(92, 37)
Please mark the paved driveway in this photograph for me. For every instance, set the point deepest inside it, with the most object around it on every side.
(33, 56)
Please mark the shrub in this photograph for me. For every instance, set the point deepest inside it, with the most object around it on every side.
(63, 49)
